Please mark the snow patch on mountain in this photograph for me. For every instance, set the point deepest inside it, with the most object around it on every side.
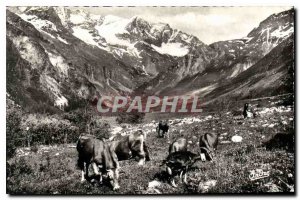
(173, 49)
(133, 51)
(61, 12)
(248, 39)
(95, 17)
(51, 85)
(28, 51)
(205, 90)
(44, 26)
(112, 26)
(77, 19)
(158, 27)
(59, 62)
(282, 33)
(61, 102)
(62, 40)
(39, 24)
(240, 67)
(85, 35)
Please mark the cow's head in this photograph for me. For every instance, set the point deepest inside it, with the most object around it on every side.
(113, 176)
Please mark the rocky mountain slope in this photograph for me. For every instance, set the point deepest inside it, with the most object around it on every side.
(236, 56)
(59, 57)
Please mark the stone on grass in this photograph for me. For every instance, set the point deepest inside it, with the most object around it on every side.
(236, 138)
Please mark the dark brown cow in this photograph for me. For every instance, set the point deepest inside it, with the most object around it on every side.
(98, 153)
(178, 145)
(131, 146)
(179, 163)
(208, 144)
(162, 128)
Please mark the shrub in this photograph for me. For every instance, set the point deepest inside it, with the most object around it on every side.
(18, 168)
(13, 131)
(78, 118)
(48, 130)
(135, 118)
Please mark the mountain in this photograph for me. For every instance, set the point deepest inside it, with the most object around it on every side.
(48, 65)
(270, 76)
(240, 55)
(61, 58)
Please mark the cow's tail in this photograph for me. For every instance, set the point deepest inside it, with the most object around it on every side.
(80, 162)
(78, 147)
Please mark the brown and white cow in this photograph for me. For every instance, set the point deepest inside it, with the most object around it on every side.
(100, 155)
(248, 111)
(131, 146)
(208, 144)
(179, 144)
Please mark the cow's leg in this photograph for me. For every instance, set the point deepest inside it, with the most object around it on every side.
(185, 181)
(185, 171)
(146, 152)
(82, 176)
(141, 154)
(173, 182)
(142, 160)
(180, 176)
(80, 164)
(116, 179)
(86, 170)
(95, 169)
(161, 134)
(82, 173)
(96, 172)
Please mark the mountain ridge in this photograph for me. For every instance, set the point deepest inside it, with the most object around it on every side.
(75, 56)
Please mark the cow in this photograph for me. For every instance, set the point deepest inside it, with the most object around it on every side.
(248, 111)
(208, 144)
(100, 155)
(131, 146)
(162, 128)
(179, 163)
(178, 145)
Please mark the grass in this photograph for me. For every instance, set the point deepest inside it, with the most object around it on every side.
(53, 170)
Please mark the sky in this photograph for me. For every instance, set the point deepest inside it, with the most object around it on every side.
(209, 24)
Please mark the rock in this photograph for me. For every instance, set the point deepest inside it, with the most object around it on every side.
(116, 130)
(236, 138)
(225, 142)
(271, 125)
(154, 184)
(190, 142)
(272, 187)
(194, 137)
(205, 186)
